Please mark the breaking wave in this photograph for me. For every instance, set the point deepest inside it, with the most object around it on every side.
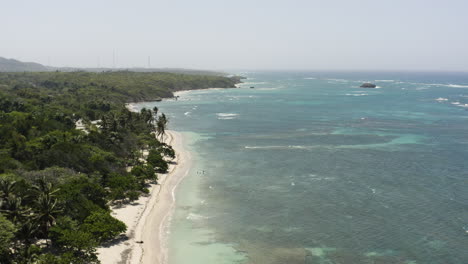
(360, 94)
(227, 116)
(457, 86)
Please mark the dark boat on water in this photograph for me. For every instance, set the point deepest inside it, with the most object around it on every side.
(368, 85)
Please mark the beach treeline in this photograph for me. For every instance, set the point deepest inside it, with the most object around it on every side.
(70, 149)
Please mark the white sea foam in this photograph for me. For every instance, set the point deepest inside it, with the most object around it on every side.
(237, 97)
(195, 217)
(457, 86)
(252, 83)
(441, 99)
(455, 103)
(226, 116)
(384, 80)
(187, 113)
(442, 84)
(314, 177)
(267, 89)
(266, 147)
(398, 141)
(209, 90)
(361, 94)
(338, 80)
(281, 147)
(180, 93)
(310, 78)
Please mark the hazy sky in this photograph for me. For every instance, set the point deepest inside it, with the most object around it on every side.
(241, 34)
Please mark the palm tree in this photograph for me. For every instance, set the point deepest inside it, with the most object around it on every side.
(13, 208)
(43, 187)
(47, 209)
(161, 126)
(27, 231)
(147, 115)
(155, 111)
(46, 205)
(110, 123)
(114, 122)
(7, 187)
(154, 120)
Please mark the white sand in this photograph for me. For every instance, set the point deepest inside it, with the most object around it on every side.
(131, 107)
(148, 218)
(184, 92)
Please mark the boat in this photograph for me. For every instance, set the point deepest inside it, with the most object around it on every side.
(368, 85)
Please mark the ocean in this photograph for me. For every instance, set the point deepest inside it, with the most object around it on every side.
(307, 167)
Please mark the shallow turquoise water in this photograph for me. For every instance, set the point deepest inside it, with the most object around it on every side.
(310, 168)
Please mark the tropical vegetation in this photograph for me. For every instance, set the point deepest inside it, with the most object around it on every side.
(70, 149)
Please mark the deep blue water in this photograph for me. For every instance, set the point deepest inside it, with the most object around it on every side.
(309, 168)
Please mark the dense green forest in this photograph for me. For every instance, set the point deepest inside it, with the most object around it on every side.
(57, 179)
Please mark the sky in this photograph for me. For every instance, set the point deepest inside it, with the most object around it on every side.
(242, 34)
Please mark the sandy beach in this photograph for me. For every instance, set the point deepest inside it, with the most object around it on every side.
(148, 218)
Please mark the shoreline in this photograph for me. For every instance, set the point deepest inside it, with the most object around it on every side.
(148, 218)
(131, 106)
(178, 93)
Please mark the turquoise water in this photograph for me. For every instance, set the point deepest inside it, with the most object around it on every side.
(309, 168)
